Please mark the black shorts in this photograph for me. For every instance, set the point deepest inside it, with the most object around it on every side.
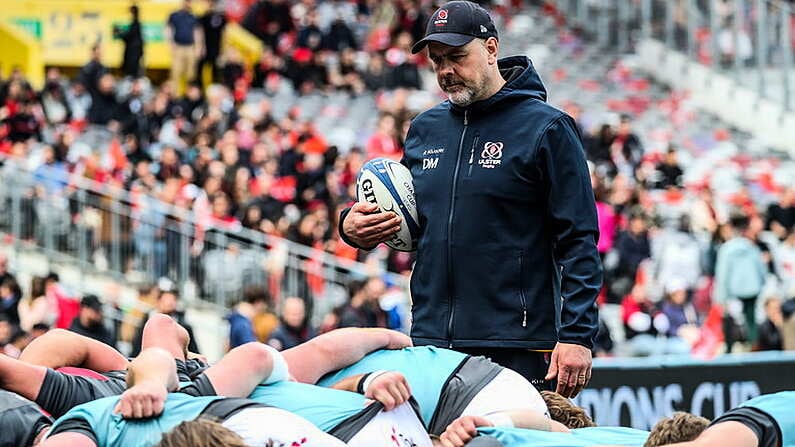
(461, 387)
(763, 425)
(201, 386)
(532, 365)
(61, 392)
(20, 420)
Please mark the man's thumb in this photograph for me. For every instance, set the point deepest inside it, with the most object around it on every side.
(553, 366)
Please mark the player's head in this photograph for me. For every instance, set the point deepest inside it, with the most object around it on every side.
(679, 427)
(463, 45)
(565, 412)
(202, 432)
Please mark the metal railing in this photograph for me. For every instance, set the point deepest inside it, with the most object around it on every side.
(753, 40)
(138, 239)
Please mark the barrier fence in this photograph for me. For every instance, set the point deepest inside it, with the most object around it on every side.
(137, 238)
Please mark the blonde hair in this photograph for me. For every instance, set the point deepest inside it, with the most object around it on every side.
(679, 427)
(565, 412)
(201, 432)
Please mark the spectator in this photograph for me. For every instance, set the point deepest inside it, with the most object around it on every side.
(669, 171)
(377, 76)
(632, 247)
(17, 342)
(784, 257)
(679, 311)
(38, 330)
(6, 330)
(340, 37)
(626, 148)
(309, 35)
(78, 98)
(38, 307)
(10, 295)
(770, 330)
(781, 215)
(294, 327)
(104, 106)
(608, 220)
(363, 308)
(184, 35)
(133, 45)
(167, 303)
(4, 273)
(384, 142)
(90, 323)
(91, 73)
(54, 103)
(677, 255)
(213, 24)
(241, 318)
(405, 73)
(740, 272)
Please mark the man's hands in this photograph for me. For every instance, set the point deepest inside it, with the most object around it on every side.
(389, 388)
(367, 227)
(571, 364)
(144, 400)
(462, 430)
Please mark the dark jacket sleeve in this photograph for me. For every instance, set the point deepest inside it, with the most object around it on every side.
(571, 217)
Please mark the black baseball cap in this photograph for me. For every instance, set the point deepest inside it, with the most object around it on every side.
(456, 23)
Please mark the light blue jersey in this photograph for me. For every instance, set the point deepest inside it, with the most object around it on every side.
(325, 408)
(111, 430)
(580, 437)
(426, 369)
(781, 407)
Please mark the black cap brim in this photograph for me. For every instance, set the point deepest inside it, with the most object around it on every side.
(451, 39)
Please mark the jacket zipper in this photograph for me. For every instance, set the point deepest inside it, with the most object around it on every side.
(450, 285)
(472, 154)
(521, 290)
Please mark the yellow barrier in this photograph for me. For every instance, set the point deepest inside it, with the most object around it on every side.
(67, 29)
(21, 50)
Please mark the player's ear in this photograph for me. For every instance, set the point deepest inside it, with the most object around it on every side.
(492, 46)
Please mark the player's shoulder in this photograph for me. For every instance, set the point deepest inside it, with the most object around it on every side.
(432, 117)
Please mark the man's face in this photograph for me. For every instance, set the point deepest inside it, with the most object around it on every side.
(167, 303)
(90, 316)
(460, 71)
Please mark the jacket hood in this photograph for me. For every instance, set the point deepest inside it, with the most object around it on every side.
(522, 82)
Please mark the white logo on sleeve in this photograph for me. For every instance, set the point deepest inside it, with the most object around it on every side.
(491, 155)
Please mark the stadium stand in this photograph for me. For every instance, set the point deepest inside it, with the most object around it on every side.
(239, 184)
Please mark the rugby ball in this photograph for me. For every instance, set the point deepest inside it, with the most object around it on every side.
(388, 184)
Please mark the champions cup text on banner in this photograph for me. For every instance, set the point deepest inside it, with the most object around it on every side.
(638, 392)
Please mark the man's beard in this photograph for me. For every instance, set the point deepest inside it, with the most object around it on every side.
(464, 95)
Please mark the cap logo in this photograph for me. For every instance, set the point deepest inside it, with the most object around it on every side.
(483, 29)
(441, 18)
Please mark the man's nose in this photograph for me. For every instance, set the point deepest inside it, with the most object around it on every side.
(444, 69)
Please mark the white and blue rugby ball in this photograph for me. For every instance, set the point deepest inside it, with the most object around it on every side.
(388, 184)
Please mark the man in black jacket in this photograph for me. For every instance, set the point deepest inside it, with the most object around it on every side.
(90, 323)
(507, 264)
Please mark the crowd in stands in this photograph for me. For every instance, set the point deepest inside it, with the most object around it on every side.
(684, 262)
(686, 265)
